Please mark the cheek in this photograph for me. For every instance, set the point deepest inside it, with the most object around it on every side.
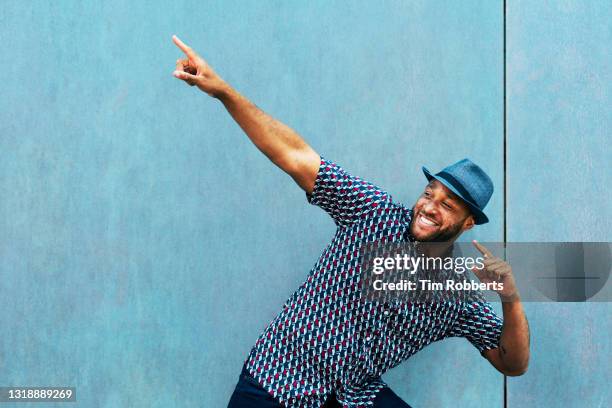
(418, 204)
(448, 220)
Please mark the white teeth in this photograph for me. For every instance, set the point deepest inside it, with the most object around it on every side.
(426, 221)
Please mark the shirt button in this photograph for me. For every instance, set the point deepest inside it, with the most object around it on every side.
(368, 338)
(386, 313)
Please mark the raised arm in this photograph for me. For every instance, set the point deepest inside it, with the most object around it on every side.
(281, 144)
(512, 356)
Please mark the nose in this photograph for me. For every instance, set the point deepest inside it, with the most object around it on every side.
(429, 208)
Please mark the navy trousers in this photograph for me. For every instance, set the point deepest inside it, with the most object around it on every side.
(249, 394)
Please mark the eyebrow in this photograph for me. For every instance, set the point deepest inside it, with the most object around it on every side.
(451, 196)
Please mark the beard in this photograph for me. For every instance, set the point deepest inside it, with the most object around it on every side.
(444, 235)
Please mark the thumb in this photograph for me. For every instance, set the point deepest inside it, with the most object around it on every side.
(479, 272)
(185, 76)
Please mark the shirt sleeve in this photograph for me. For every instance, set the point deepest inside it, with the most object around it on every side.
(479, 323)
(343, 196)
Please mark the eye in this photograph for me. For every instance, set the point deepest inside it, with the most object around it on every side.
(447, 206)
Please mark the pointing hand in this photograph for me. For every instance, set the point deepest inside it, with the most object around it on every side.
(496, 270)
(195, 71)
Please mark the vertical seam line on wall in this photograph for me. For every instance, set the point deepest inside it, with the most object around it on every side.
(505, 164)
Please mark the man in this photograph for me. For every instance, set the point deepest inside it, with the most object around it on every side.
(328, 346)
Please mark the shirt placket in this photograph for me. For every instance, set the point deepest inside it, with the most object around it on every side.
(376, 336)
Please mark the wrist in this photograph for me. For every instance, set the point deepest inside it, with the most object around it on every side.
(511, 297)
(225, 92)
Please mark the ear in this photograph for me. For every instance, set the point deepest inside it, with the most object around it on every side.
(469, 223)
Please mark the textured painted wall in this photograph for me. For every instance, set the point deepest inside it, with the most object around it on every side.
(559, 175)
(146, 243)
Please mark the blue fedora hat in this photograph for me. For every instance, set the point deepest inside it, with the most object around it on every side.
(470, 183)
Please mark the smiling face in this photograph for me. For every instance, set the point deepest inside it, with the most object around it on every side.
(439, 215)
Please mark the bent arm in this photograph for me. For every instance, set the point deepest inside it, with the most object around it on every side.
(512, 356)
(281, 144)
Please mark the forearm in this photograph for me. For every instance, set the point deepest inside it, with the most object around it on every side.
(278, 142)
(514, 342)
(281, 144)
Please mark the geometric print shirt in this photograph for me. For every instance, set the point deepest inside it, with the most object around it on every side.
(327, 338)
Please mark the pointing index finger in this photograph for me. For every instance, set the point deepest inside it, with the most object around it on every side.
(483, 250)
(184, 47)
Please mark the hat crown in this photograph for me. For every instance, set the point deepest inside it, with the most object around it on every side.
(473, 179)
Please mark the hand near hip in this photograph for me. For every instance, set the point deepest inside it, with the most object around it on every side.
(496, 270)
(195, 71)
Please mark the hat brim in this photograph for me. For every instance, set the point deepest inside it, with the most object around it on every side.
(479, 216)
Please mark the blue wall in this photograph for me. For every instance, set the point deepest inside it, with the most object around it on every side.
(559, 176)
(146, 243)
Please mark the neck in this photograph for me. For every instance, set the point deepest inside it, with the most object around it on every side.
(436, 249)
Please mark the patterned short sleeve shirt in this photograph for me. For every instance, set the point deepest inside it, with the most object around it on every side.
(328, 338)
